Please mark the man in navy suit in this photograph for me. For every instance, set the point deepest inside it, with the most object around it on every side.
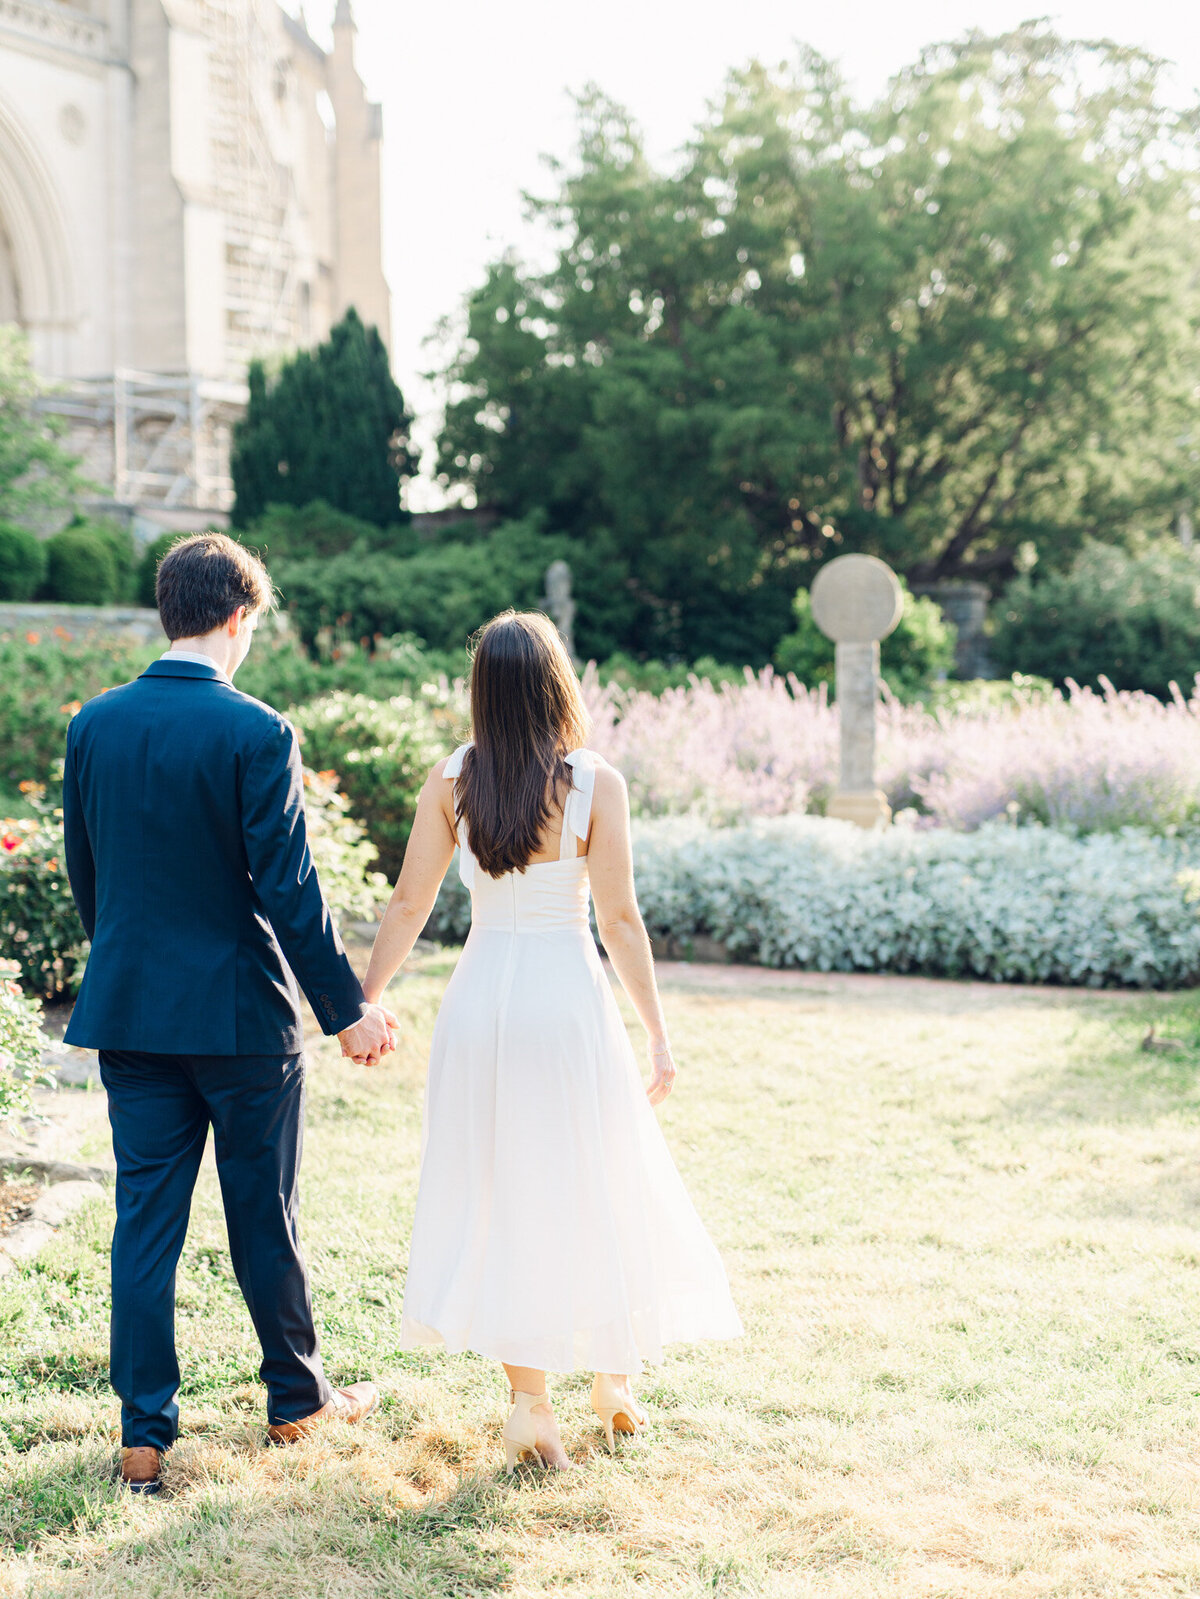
(189, 861)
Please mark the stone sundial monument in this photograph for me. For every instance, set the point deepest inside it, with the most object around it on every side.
(856, 601)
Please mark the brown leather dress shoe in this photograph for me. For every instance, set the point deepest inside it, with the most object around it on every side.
(141, 1470)
(350, 1405)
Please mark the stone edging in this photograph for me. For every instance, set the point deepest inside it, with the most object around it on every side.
(70, 1187)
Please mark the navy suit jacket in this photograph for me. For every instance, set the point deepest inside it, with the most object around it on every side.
(188, 857)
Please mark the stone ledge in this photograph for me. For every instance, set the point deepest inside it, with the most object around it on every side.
(52, 1207)
(55, 1171)
(135, 623)
(691, 947)
(72, 1067)
(56, 1203)
(25, 1240)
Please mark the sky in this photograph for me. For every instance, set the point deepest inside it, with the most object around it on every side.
(475, 93)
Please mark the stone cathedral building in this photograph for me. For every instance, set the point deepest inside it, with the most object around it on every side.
(183, 184)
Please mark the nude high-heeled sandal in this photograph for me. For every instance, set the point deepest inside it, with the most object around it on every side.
(616, 1410)
(520, 1430)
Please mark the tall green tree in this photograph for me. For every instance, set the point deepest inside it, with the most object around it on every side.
(330, 425)
(938, 328)
(39, 478)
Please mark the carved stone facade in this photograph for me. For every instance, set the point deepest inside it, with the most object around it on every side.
(184, 184)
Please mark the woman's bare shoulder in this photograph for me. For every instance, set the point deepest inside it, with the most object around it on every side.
(610, 784)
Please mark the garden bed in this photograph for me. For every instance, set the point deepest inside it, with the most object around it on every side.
(1006, 903)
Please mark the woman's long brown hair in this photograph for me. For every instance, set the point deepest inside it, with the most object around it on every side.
(526, 715)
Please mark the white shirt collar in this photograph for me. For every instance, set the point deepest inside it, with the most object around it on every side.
(196, 659)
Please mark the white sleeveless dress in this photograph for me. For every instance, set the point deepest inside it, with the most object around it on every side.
(552, 1228)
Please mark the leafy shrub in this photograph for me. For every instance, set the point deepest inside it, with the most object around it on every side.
(22, 563)
(82, 567)
(442, 594)
(1130, 618)
(1011, 904)
(381, 751)
(917, 654)
(43, 681)
(21, 1044)
(656, 677)
(45, 677)
(343, 855)
(147, 568)
(450, 921)
(280, 671)
(126, 553)
(39, 925)
(319, 531)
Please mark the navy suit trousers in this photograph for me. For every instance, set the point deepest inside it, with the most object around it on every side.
(161, 1107)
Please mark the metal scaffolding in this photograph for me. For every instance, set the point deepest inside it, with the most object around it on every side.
(159, 438)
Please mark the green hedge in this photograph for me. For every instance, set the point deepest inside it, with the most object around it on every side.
(22, 563)
(1132, 617)
(81, 569)
(319, 531)
(443, 593)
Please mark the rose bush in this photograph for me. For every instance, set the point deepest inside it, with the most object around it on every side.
(40, 928)
(21, 1044)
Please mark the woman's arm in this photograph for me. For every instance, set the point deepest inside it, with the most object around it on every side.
(429, 852)
(622, 931)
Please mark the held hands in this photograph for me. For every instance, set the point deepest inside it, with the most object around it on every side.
(371, 1037)
(662, 1072)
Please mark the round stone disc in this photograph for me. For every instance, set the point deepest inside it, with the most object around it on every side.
(856, 599)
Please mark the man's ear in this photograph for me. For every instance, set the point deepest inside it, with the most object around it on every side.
(234, 624)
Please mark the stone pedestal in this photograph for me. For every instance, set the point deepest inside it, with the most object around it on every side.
(856, 601)
(869, 809)
(965, 604)
(559, 604)
(857, 799)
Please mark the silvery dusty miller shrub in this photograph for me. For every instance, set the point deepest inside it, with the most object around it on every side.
(1012, 904)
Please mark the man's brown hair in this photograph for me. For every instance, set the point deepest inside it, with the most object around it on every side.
(201, 582)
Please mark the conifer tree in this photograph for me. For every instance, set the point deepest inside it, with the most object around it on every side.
(331, 425)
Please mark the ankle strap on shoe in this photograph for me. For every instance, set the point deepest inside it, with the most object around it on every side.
(534, 1399)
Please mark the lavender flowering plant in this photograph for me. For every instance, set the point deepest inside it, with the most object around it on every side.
(1085, 760)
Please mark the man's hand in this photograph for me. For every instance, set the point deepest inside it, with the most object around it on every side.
(371, 1037)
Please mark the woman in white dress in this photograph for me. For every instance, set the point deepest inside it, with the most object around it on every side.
(552, 1230)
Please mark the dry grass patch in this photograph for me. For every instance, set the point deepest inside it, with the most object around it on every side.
(960, 1222)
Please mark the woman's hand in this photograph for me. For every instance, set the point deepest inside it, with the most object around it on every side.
(662, 1072)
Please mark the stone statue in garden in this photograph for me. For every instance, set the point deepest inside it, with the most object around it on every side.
(559, 604)
(856, 601)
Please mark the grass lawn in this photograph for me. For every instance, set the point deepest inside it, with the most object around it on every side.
(961, 1225)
